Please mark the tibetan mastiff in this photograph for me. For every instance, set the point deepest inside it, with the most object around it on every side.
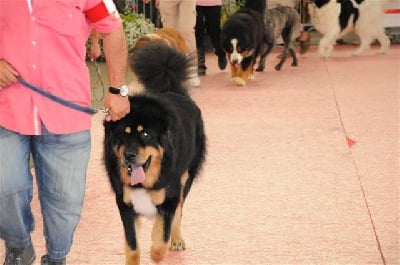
(244, 40)
(153, 155)
(334, 19)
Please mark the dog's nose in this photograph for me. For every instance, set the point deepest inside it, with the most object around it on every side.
(130, 155)
(235, 61)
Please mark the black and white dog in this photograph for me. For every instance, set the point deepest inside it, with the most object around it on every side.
(285, 22)
(335, 18)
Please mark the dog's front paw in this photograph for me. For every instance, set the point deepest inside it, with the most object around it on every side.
(239, 81)
(158, 253)
(178, 245)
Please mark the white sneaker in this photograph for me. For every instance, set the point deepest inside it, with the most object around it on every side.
(194, 79)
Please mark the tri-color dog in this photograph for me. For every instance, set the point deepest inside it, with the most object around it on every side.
(243, 39)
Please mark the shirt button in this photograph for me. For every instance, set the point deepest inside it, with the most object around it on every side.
(34, 43)
(34, 66)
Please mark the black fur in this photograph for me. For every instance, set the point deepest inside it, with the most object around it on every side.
(320, 3)
(347, 10)
(171, 121)
(248, 27)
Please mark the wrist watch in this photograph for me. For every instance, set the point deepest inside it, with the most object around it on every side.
(123, 90)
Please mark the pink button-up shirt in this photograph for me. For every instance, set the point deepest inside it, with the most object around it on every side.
(44, 40)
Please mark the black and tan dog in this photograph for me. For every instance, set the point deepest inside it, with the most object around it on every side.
(285, 22)
(243, 39)
(153, 155)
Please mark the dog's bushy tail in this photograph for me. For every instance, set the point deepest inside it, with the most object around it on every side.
(257, 5)
(160, 68)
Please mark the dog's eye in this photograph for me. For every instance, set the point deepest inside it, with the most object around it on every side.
(144, 135)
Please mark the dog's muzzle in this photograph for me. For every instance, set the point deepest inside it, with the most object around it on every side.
(137, 172)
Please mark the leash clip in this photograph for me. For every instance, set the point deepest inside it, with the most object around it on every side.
(104, 110)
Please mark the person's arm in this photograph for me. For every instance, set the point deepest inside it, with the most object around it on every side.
(95, 50)
(116, 53)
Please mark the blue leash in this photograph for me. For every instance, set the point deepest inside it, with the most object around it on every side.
(59, 100)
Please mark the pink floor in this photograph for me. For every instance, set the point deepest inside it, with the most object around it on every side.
(302, 168)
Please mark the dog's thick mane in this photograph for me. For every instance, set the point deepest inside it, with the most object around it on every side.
(157, 63)
(257, 5)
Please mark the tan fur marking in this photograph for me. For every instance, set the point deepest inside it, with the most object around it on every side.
(126, 194)
(168, 36)
(128, 130)
(175, 39)
(184, 178)
(247, 72)
(139, 128)
(125, 178)
(158, 248)
(153, 172)
(157, 196)
(177, 242)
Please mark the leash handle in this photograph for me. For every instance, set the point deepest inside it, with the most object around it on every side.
(57, 99)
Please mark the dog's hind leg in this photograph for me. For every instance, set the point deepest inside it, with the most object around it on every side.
(365, 43)
(177, 242)
(384, 42)
(294, 57)
(283, 58)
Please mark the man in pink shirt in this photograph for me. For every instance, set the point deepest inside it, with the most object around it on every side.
(43, 42)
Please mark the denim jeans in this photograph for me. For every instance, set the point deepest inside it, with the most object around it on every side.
(60, 163)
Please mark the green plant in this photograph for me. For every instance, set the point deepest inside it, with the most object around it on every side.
(135, 25)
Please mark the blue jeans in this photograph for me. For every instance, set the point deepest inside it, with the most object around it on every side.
(60, 163)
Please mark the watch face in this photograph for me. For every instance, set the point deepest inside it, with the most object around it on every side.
(124, 90)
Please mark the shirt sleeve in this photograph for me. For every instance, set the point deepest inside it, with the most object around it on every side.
(103, 15)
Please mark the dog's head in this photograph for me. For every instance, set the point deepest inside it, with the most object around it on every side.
(237, 49)
(238, 38)
(138, 142)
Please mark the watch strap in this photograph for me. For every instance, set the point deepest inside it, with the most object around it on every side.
(114, 90)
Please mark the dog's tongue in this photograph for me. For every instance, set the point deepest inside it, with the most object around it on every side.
(137, 175)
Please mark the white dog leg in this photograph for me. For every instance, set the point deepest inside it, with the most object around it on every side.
(384, 42)
(365, 43)
(325, 47)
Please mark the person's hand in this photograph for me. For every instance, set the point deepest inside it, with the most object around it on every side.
(8, 75)
(94, 51)
(117, 106)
